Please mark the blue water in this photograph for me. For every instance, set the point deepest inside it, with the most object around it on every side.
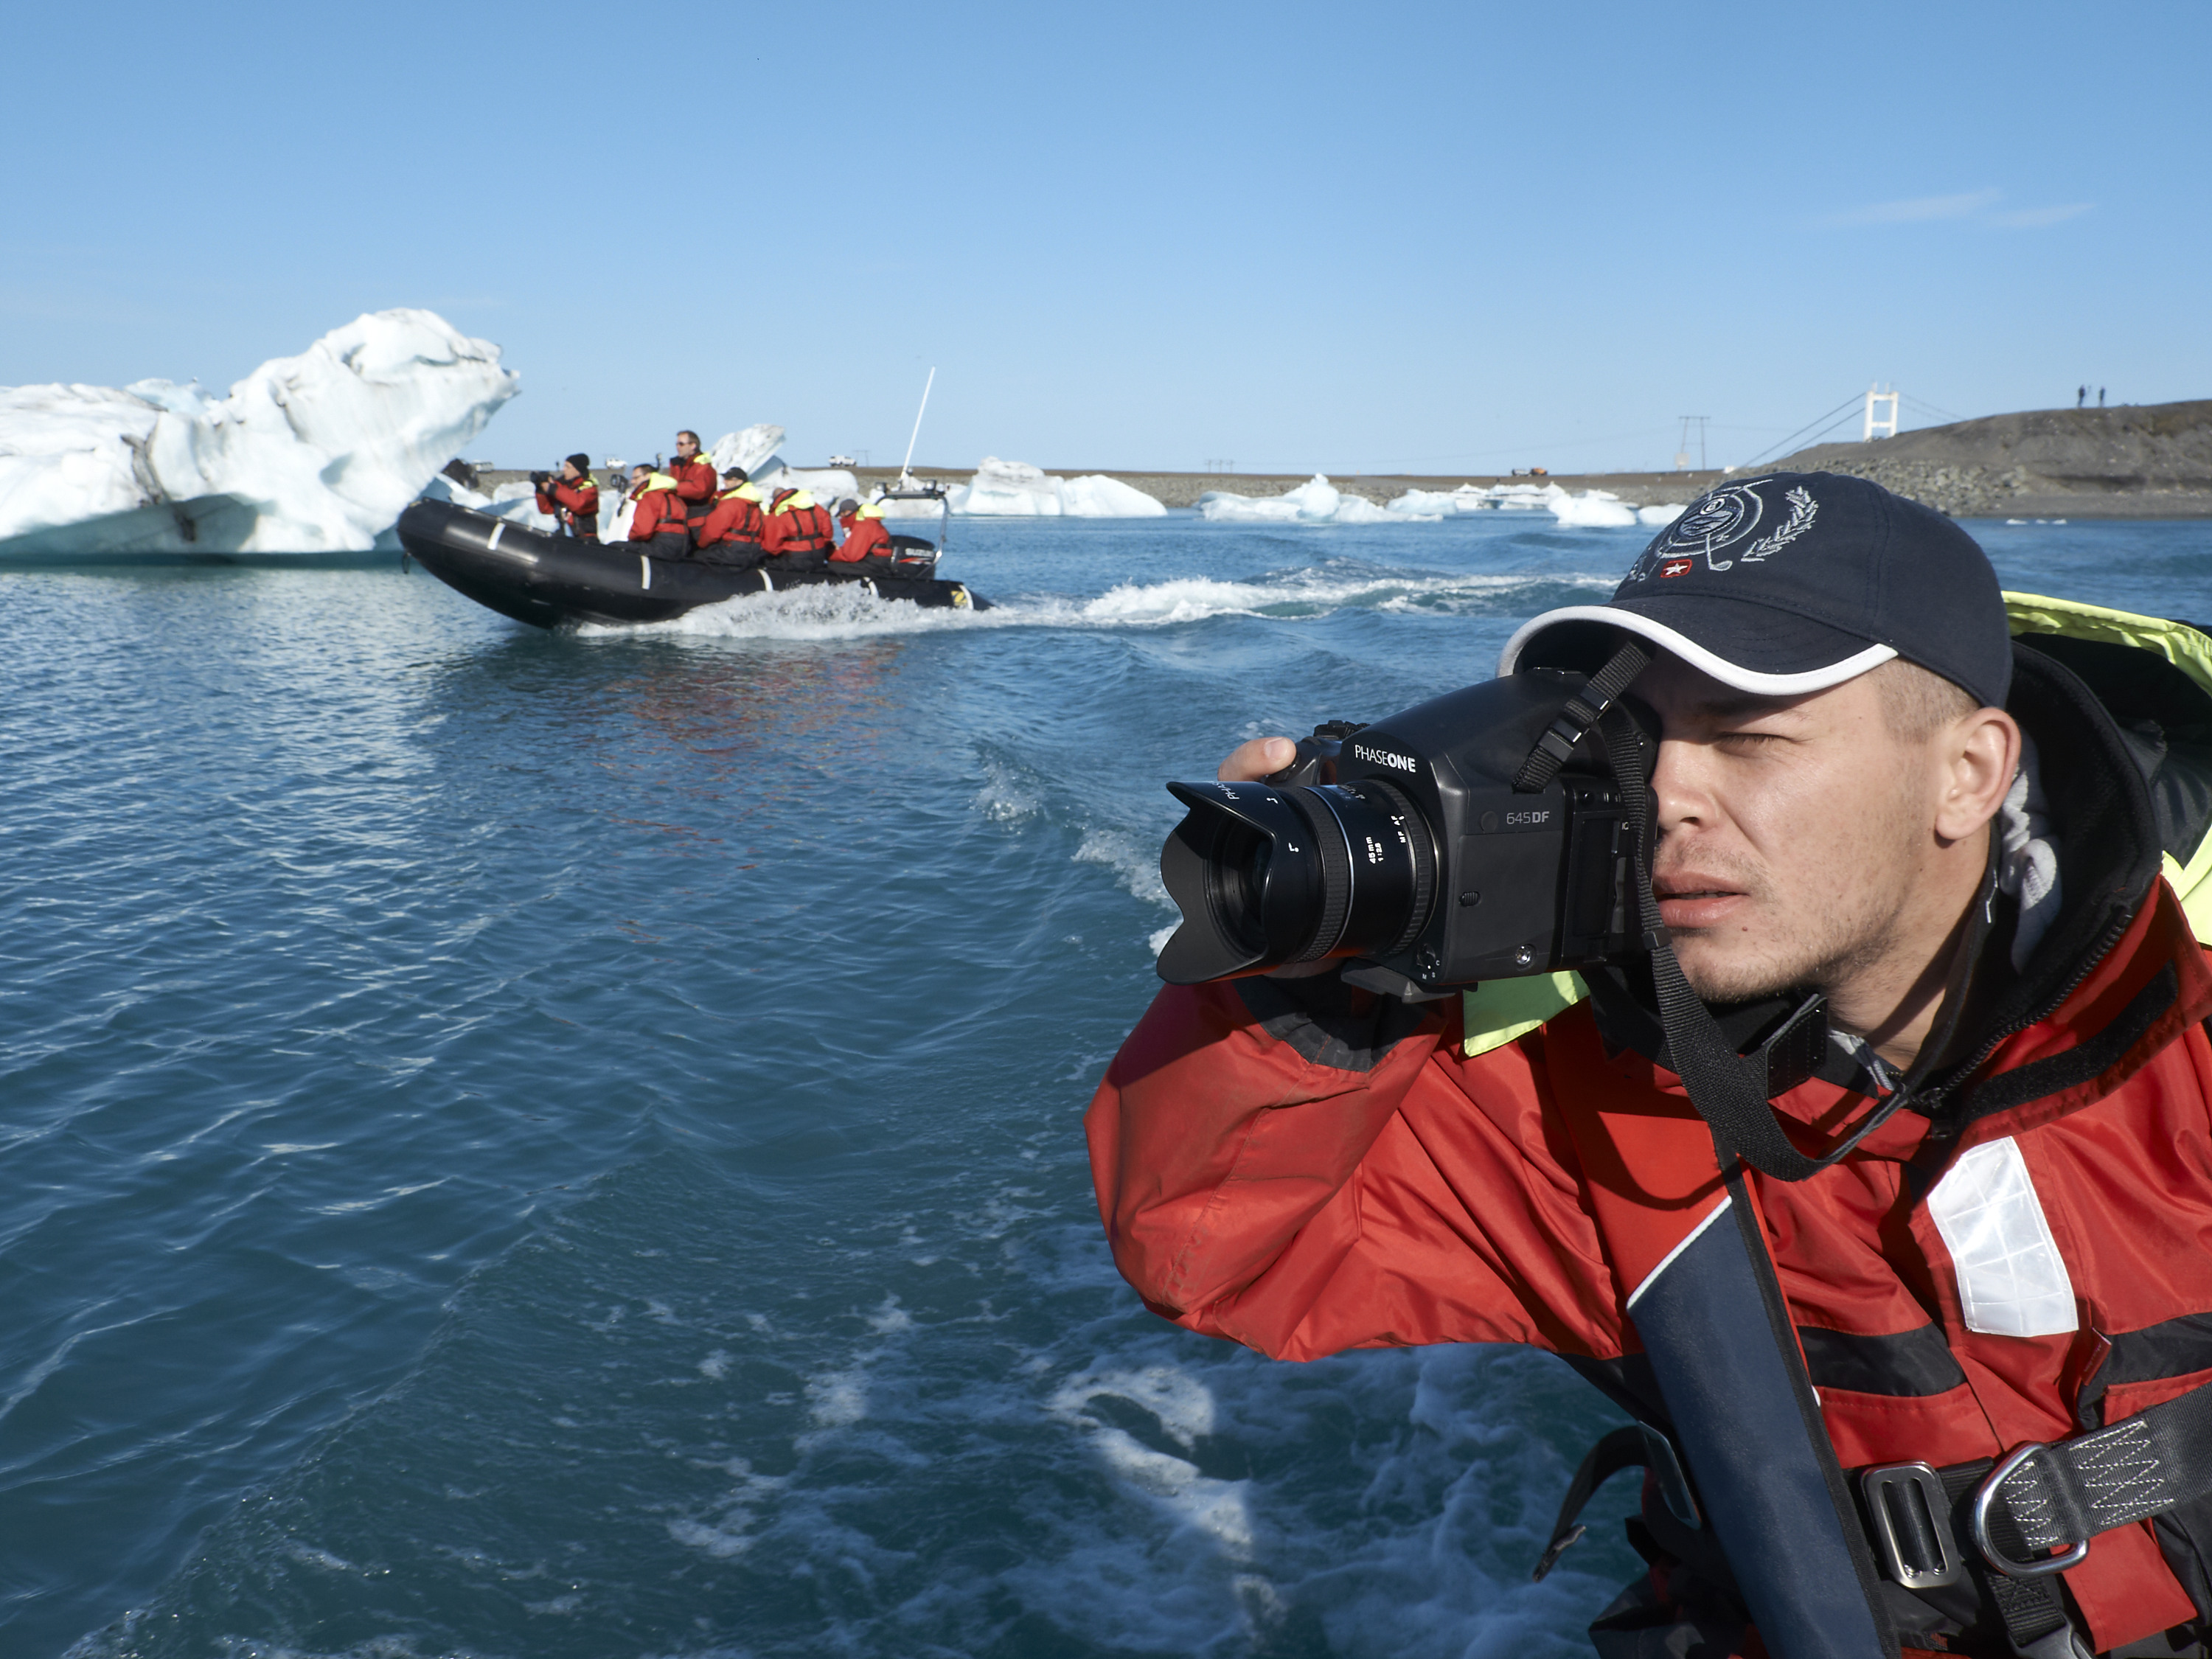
(568, 1145)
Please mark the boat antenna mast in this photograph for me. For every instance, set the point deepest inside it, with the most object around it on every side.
(906, 467)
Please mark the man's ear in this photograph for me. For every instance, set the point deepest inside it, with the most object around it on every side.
(1977, 756)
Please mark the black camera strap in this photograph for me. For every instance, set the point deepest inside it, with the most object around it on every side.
(1582, 712)
(1729, 1091)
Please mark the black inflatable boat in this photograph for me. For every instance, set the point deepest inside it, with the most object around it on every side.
(548, 580)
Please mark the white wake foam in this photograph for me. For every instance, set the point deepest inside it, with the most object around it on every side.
(844, 612)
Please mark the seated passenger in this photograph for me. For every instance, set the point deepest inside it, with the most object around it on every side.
(573, 498)
(694, 473)
(657, 515)
(797, 535)
(731, 533)
(866, 536)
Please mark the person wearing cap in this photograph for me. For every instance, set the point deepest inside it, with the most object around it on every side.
(798, 534)
(1944, 1383)
(572, 499)
(657, 524)
(731, 534)
(694, 473)
(865, 534)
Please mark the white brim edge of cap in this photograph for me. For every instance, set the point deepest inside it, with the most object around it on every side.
(1742, 679)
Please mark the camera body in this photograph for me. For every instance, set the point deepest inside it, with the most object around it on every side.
(1405, 843)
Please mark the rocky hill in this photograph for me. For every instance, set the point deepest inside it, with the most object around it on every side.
(2148, 461)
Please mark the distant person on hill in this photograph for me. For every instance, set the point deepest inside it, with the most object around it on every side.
(2081, 397)
(730, 534)
(865, 534)
(657, 515)
(2101, 397)
(797, 535)
(695, 477)
(572, 498)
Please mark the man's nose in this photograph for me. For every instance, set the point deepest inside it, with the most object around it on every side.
(1679, 783)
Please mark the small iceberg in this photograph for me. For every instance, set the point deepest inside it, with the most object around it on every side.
(316, 453)
(1315, 501)
(1015, 489)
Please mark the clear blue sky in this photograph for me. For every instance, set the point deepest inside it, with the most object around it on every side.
(1441, 238)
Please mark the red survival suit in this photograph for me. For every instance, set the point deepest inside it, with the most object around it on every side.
(575, 505)
(798, 530)
(696, 484)
(657, 518)
(1304, 1167)
(865, 536)
(731, 533)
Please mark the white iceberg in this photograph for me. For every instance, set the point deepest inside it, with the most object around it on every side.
(1095, 495)
(1444, 503)
(308, 454)
(1315, 501)
(1594, 509)
(1015, 489)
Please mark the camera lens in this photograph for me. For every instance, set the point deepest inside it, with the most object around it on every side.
(1376, 901)
(1240, 885)
(1267, 874)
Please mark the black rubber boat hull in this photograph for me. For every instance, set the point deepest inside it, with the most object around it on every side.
(548, 580)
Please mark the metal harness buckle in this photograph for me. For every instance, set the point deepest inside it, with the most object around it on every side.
(1911, 1525)
(1985, 1496)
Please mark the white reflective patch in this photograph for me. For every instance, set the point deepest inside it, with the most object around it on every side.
(2012, 1280)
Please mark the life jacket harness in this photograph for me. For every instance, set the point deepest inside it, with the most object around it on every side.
(1728, 1361)
(810, 530)
(672, 522)
(745, 527)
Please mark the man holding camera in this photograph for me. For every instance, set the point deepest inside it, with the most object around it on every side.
(572, 498)
(1871, 1173)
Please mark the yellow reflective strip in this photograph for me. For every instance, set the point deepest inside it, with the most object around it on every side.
(2180, 644)
(1497, 1011)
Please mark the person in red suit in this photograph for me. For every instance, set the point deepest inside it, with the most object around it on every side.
(731, 533)
(695, 477)
(797, 535)
(657, 524)
(865, 534)
(573, 498)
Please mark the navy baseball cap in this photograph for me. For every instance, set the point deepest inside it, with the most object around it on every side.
(1797, 581)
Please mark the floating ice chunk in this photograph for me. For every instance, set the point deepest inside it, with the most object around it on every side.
(1095, 495)
(1315, 501)
(1357, 509)
(1015, 489)
(1592, 509)
(1011, 489)
(307, 454)
(1444, 503)
(1667, 512)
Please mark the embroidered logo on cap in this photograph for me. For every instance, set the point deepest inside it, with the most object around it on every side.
(1720, 520)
